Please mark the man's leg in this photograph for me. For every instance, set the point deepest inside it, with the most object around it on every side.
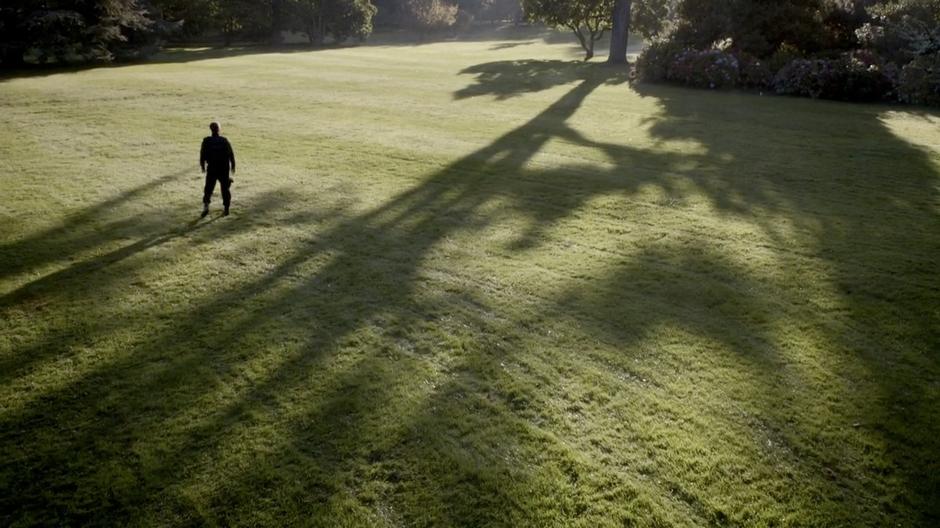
(226, 186)
(207, 192)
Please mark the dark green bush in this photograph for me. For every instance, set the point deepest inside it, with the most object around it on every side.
(851, 77)
(704, 69)
(653, 63)
(850, 50)
(919, 81)
(754, 73)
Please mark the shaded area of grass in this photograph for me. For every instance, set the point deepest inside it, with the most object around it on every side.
(732, 322)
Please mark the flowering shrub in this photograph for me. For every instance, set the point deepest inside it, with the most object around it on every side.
(802, 77)
(919, 81)
(851, 77)
(667, 61)
(859, 75)
(785, 54)
(755, 73)
(654, 60)
(704, 69)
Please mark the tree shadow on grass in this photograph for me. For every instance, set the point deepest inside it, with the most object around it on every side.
(512, 78)
(815, 207)
(360, 276)
(79, 232)
(293, 390)
(111, 272)
(847, 221)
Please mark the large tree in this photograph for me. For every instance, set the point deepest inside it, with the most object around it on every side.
(425, 16)
(646, 17)
(901, 30)
(759, 27)
(191, 17)
(620, 31)
(338, 19)
(589, 20)
(60, 31)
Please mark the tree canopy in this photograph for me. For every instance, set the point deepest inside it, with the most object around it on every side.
(589, 20)
(71, 31)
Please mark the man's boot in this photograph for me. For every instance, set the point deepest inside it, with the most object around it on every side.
(205, 210)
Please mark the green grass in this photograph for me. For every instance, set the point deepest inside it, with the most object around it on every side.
(464, 283)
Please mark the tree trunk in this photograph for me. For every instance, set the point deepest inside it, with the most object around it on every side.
(277, 21)
(588, 48)
(620, 32)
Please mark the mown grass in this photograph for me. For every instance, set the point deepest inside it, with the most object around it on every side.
(464, 283)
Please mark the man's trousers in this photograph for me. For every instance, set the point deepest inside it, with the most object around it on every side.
(225, 183)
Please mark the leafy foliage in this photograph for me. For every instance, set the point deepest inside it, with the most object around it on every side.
(837, 49)
(193, 17)
(756, 26)
(589, 20)
(429, 15)
(754, 73)
(919, 81)
(262, 19)
(704, 69)
(653, 63)
(69, 31)
(903, 29)
(848, 78)
(337, 19)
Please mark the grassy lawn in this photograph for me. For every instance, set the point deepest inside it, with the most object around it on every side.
(463, 283)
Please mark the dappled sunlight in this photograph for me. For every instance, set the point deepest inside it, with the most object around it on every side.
(915, 127)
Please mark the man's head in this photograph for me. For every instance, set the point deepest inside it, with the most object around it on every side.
(214, 127)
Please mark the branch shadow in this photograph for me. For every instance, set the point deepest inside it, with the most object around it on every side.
(366, 267)
(81, 231)
(355, 316)
(872, 230)
(512, 78)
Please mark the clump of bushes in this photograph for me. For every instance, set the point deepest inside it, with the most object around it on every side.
(704, 69)
(665, 61)
(851, 51)
(854, 76)
(755, 74)
(653, 63)
(919, 81)
(846, 78)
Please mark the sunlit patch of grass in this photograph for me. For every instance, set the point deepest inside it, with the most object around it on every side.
(464, 283)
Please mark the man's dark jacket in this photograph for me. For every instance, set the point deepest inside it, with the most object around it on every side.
(217, 152)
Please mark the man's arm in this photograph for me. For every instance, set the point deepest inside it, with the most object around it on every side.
(202, 156)
(231, 156)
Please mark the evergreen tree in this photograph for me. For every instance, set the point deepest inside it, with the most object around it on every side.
(71, 31)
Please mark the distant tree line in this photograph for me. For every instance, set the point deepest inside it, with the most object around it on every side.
(73, 30)
(76, 31)
(838, 49)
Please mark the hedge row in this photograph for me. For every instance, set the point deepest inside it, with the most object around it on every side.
(859, 75)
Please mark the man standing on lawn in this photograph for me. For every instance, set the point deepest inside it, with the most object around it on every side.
(217, 152)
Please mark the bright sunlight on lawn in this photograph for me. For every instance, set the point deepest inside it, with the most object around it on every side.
(463, 283)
